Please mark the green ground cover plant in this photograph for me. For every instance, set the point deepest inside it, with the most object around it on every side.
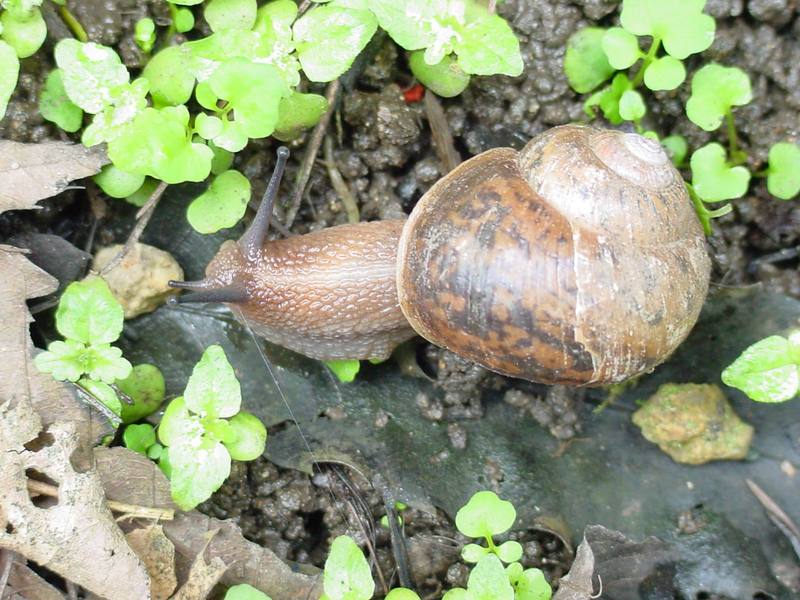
(676, 31)
(769, 370)
(197, 103)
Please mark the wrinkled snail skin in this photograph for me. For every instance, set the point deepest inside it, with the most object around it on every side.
(329, 294)
(577, 260)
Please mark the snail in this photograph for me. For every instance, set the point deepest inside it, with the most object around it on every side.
(577, 260)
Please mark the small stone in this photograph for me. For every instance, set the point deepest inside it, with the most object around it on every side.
(693, 424)
(140, 281)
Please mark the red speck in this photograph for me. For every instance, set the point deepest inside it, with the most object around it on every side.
(414, 93)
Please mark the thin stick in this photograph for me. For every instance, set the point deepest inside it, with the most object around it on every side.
(142, 219)
(130, 510)
(7, 558)
(312, 149)
(339, 184)
(440, 132)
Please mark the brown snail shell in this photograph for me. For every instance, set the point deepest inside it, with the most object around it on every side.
(577, 260)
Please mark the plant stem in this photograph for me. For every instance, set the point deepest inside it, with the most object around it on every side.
(74, 25)
(648, 59)
(737, 156)
(490, 541)
(173, 15)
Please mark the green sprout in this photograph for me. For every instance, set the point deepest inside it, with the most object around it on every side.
(90, 319)
(769, 370)
(594, 55)
(204, 429)
(347, 575)
(55, 105)
(714, 178)
(345, 370)
(144, 34)
(142, 439)
(245, 591)
(445, 78)
(783, 174)
(715, 91)
(484, 516)
(22, 33)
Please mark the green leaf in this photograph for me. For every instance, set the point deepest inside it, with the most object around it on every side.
(472, 553)
(197, 471)
(213, 389)
(486, 44)
(608, 99)
(170, 75)
(530, 584)
(231, 14)
(510, 551)
(144, 34)
(347, 574)
(221, 205)
(55, 105)
(245, 591)
(665, 73)
(124, 103)
(9, 71)
(89, 313)
(402, 594)
(222, 160)
(488, 581)
(156, 144)
(184, 20)
(345, 370)
(681, 26)
(251, 437)
(298, 112)
(145, 386)
(715, 90)
(105, 363)
(25, 35)
(143, 194)
(329, 38)
(139, 437)
(254, 92)
(410, 23)
(677, 148)
(768, 371)
(457, 594)
(631, 106)
(621, 48)
(118, 183)
(90, 72)
(177, 424)
(713, 179)
(783, 174)
(155, 451)
(585, 63)
(208, 127)
(103, 393)
(186, 2)
(446, 78)
(485, 515)
(63, 360)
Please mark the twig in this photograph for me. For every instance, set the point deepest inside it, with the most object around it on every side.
(130, 510)
(781, 520)
(7, 558)
(440, 132)
(142, 219)
(339, 184)
(312, 149)
(399, 548)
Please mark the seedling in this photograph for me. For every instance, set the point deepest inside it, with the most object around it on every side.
(204, 429)
(144, 34)
(22, 33)
(90, 319)
(345, 370)
(783, 173)
(245, 591)
(594, 54)
(484, 516)
(142, 439)
(769, 370)
(347, 574)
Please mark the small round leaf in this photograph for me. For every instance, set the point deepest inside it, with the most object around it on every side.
(347, 573)
(621, 48)
(585, 63)
(485, 515)
(665, 73)
(713, 179)
(213, 389)
(631, 106)
(783, 175)
(222, 205)
(250, 439)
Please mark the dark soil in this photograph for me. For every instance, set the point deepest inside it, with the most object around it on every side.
(384, 152)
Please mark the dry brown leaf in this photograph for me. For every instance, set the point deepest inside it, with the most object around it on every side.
(19, 379)
(158, 555)
(578, 584)
(24, 584)
(249, 562)
(75, 536)
(132, 478)
(203, 576)
(32, 172)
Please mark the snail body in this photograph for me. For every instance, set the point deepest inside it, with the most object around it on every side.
(576, 260)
